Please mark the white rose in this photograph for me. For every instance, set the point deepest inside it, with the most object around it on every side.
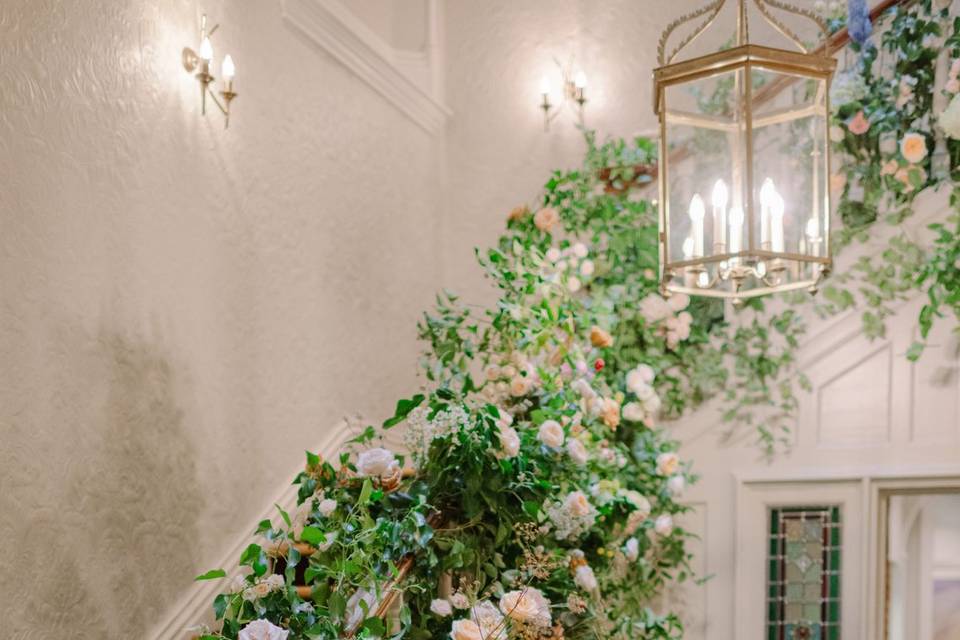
(587, 268)
(553, 254)
(949, 120)
(668, 463)
(888, 145)
(551, 434)
(327, 506)
(263, 630)
(663, 525)
(526, 606)
(509, 442)
(580, 250)
(493, 372)
(633, 412)
(676, 485)
(574, 284)
(376, 462)
(585, 578)
(644, 392)
(577, 452)
(577, 505)
(836, 133)
(583, 387)
(654, 308)
(441, 607)
(632, 549)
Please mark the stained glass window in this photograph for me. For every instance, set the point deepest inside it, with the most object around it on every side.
(803, 581)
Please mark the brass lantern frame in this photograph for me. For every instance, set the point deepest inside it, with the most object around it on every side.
(806, 63)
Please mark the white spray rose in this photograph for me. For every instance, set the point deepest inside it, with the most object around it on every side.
(663, 525)
(551, 434)
(632, 549)
(441, 607)
(577, 505)
(509, 442)
(676, 485)
(585, 578)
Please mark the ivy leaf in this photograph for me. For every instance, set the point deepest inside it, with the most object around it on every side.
(213, 574)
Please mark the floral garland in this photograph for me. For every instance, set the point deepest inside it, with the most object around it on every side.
(891, 145)
(538, 497)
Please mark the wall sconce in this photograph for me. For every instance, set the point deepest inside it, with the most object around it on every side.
(200, 63)
(573, 93)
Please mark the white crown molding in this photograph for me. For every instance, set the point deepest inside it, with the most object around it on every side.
(195, 606)
(333, 27)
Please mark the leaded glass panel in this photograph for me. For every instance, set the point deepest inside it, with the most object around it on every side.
(803, 581)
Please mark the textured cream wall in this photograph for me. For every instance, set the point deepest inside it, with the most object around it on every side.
(183, 309)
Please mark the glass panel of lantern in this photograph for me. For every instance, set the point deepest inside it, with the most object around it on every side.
(746, 180)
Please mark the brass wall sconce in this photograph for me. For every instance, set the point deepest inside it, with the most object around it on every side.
(200, 64)
(573, 92)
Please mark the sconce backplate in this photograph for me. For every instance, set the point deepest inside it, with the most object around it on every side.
(190, 59)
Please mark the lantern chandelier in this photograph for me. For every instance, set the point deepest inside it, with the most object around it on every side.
(744, 138)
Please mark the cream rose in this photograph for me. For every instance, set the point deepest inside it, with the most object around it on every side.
(633, 412)
(528, 606)
(668, 463)
(913, 147)
(577, 505)
(632, 549)
(577, 452)
(676, 485)
(262, 630)
(639, 377)
(459, 600)
(376, 462)
(327, 506)
(520, 386)
(466, 630)
(551, 434)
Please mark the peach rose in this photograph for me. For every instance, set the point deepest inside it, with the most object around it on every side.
(859, 124)
(518, 213)
(527, 606)
(551, 434)
(913, 147)
(611, 413)
(889, 168)
(520, 386)
(546, 219)
(668, 463)
(600, 338)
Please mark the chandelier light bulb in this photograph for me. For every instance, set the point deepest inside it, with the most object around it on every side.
(703, 279)
(736, 217)
(228, 69)
(720, 195)
(688, 248)
(767, 192)
(206, 49)
(697, 208)
(813, 228)
(580, 80)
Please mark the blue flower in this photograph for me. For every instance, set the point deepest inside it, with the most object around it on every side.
(858, 21)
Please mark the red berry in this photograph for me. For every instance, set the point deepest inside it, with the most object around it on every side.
(599, 364)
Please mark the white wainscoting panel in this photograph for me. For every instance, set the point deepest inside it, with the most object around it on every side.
(854, 404)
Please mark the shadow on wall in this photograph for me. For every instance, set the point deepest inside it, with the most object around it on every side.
(108, 497)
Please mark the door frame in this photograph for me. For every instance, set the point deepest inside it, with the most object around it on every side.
(880, 490)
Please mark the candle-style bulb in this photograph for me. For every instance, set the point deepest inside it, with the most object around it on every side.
(767, 192)
(206, 49)
(688, 248)
(228, 69)
(813, 228)
(777, 205)
(736, 217)
(580, 80)
(720, 194)
(697, 208)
